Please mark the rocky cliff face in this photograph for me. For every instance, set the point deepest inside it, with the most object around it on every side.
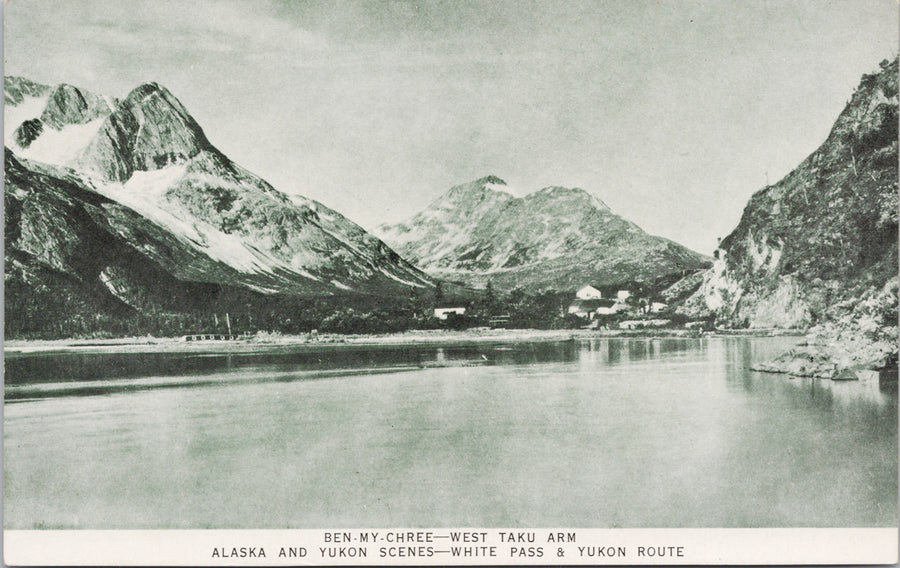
(820, 246)
(67, 105)
(147, 131)
(71, 252)
(556, 238)
(140, 176)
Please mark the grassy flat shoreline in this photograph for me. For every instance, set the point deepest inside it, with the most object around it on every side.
(261, 342)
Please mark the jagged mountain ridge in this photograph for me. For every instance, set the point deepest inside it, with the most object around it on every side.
(557, 238)
(17, 88)
(212, 221)
(150, 129)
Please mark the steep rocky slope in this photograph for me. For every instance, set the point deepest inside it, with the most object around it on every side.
(73, 255)
(557, 238)
(140, 177)
(820, 246)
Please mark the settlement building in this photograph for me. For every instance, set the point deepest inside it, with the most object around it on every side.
(592, 301)
(608, 307)
(584, 308)
(598, 292)
(589, 309)
(444, 312)
(588, 293)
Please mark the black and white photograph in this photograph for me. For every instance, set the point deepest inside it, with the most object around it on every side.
(450, 282)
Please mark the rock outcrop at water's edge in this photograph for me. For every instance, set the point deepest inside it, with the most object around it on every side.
(818, 249)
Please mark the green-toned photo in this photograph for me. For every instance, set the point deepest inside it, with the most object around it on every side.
(389, 264)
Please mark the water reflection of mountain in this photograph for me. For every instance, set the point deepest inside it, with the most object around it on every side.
(67, 367)
(615, 351)
(533, 353)
(709, 359)
(93, 366)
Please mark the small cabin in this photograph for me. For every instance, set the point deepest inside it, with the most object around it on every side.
(444, 312)
(588, 293)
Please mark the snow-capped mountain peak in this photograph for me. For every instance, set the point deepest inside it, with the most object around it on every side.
(147, 153)
(51, 124)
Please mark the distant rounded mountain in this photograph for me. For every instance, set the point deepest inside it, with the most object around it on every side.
(558, 237)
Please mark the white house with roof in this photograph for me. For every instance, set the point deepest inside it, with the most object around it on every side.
(590, 301)
(588, 293)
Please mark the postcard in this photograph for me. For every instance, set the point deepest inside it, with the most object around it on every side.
(446, 283)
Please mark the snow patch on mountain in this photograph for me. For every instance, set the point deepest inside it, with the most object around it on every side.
(145, 193)
(59, 147)
(148, 154)
(400, 280)
(110, 102)
(15, 115)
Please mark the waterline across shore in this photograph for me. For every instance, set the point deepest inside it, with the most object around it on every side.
(148, 344)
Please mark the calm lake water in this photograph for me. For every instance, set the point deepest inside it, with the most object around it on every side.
(593, 433)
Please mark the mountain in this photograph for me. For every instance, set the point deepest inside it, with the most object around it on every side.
(129, 198)
(819, 247)
(557, 238)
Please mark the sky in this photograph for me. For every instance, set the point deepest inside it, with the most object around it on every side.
(672, 112)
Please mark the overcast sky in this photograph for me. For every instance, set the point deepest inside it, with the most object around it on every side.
(673, 113)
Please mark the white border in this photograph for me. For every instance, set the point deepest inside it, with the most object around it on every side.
(697, 546)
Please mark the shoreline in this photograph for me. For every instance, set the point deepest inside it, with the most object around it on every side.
(149, 344)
